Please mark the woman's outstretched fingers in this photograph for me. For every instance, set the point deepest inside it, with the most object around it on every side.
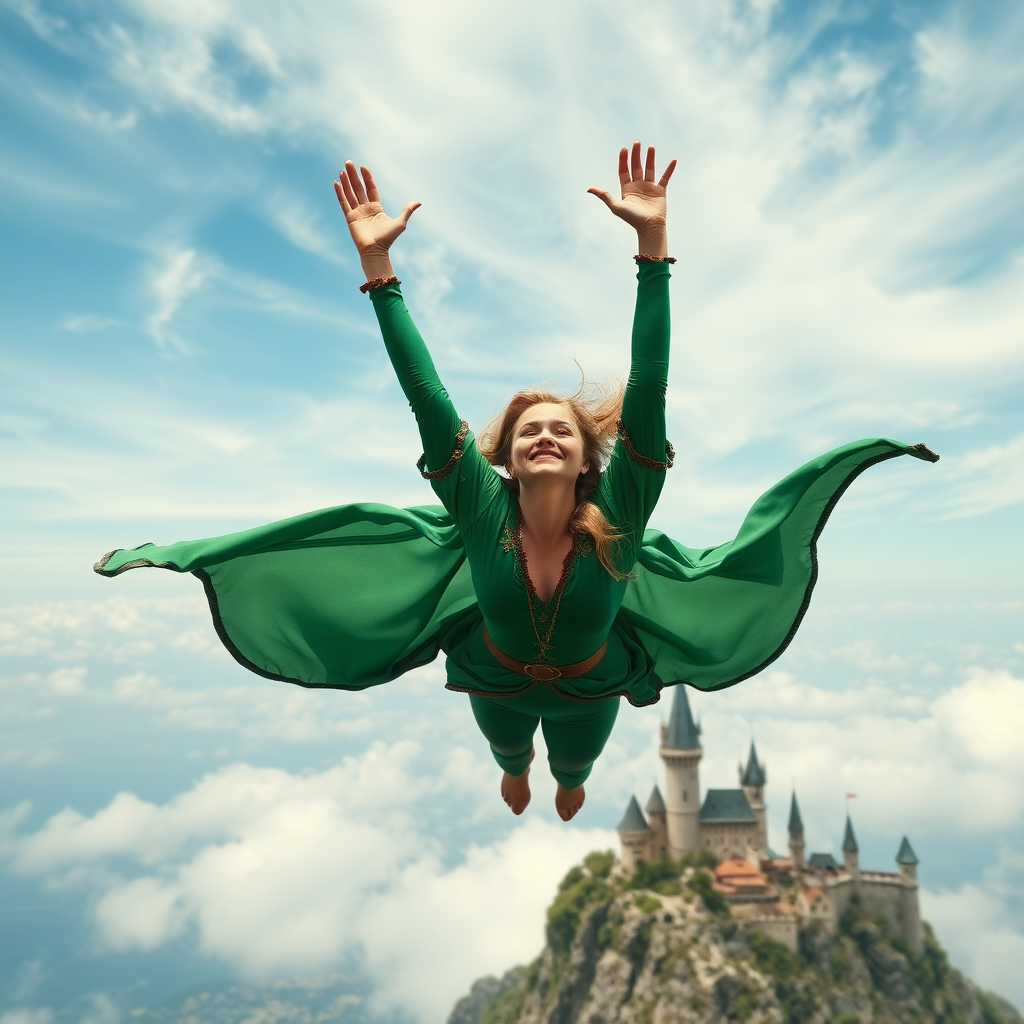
(371, 187)
(649, 167)
(668, 173)
(624, 166)
(604, 195)
(340, 193)
(634, 162)
(354, 181)
(346, 185)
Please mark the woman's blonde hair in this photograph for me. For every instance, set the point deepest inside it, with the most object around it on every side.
(596, 408)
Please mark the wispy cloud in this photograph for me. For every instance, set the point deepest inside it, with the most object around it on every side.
(302, 225)
(88, 323)
(181, 273)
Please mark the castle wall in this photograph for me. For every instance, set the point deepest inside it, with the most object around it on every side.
(658, 843)
(885, 895)
(635, 848)
(729, 840)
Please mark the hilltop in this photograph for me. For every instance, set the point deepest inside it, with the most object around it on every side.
(659, 945)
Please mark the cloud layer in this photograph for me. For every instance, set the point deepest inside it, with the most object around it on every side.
(276, 873)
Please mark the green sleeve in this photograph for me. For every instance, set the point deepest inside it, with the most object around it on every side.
(470, 484)
(643, 406)
(436, 417)
(629, 490)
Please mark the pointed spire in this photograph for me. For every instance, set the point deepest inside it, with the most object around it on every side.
(681, 733)
(796, 823)
(754, 774)
(633, 820)
(906, 853)
(849, 839)
(655, 802)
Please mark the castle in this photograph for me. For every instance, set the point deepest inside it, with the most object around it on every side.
(778, 895)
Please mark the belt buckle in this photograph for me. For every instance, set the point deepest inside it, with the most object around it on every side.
(543, 673)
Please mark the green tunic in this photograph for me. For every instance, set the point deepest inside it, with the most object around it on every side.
(354, 596)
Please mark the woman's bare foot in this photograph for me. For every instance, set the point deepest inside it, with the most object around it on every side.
(568, 801)
(515, 789)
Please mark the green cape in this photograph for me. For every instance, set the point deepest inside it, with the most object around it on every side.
(354, 596)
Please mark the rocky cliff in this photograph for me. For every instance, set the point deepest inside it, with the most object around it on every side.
(663, 947)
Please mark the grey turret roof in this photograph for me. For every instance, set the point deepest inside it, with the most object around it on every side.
(796, 823)
(633, 820)
(849, 839)
(726, 805)
(754, 774)
(681, 733)
(655, 802)
(822, 861)
(906, 853)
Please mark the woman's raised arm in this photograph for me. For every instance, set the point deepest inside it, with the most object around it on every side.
(373, 233)
(444, 435)
(643, 206)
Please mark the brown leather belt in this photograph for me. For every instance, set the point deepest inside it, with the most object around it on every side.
(545, 673)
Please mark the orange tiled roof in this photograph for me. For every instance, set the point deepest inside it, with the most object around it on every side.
(735, 868)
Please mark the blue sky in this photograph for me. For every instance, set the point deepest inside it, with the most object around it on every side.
(185, 353)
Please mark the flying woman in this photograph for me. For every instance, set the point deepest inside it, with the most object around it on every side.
(543, 586)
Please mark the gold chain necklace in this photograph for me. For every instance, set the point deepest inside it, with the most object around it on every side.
(516, 543)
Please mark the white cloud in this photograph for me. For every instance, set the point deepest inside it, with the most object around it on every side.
(973, 925)
(181, 273)
(142, 914)
(40, 1016)
(88, 323)
(67, 681)
(277, 873)
(907, 757)
(103, 1010)
(487, 913)
(302, 226)
(46, 26)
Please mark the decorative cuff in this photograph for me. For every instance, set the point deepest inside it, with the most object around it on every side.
(445, 470)
(642, 460)
(377, 282)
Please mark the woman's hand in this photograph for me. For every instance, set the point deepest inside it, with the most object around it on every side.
(372, 230)
(642, 205)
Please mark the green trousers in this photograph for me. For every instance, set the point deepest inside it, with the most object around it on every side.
(575, 731)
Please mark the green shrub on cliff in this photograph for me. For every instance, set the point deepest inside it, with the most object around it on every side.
(600, 864)
(574, 893)
(715, 903)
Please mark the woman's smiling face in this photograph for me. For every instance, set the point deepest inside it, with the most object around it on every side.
(547, 442)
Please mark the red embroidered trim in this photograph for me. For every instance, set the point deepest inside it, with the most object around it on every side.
(377, 282)
(642, 460)
(445, 470)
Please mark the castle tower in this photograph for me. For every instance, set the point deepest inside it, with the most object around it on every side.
(796, 836)
(656, 817)
(753, 779)
(910, 908)
(907, 860)
(851, 851)
(634, 835)
(681, 751)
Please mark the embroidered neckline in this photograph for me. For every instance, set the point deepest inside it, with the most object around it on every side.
(541, 613)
